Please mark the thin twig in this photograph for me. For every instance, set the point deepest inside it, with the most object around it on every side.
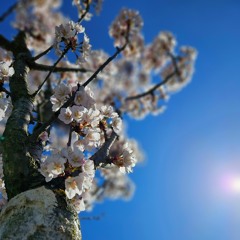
(42, 53)
(42, 67)
(70, 136)
(71, 99)
(85, 13)
(2, 89)
(105, 64)
(8, 12)
(62, 55)
(151, 90)
(50, 72)
(101, 156)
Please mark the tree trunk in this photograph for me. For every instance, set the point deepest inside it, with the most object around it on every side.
(34, 210)
(39, 214)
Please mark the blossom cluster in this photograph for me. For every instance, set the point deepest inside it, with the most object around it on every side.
(91, 125)
(67, 33)
(157, 53)
(6, 70)
(126, 28)
(86, 121)
(185, 69)
(82, 6)
(38, 20)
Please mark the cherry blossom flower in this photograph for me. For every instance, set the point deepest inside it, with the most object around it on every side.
(88, 168)
(117, 124)
(73, 186)
(66, 115)
(76, 158)
(83, 98)
(5, 70)
(52, 167)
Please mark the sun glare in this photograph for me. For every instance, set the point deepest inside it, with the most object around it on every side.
(231, 184)
(235, 185)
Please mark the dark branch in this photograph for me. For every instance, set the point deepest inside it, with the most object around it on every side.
(151, 90)
(50, 72)
(45, 125)
(42, 67)
(42, 53)
(6, 44)
(2, 89)
(38, 131)
(105, 64)
(85, 13)
(102, 155)
(8, 12)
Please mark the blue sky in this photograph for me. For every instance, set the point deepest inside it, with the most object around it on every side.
(194, 145)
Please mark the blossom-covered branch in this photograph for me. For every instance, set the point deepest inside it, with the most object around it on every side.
(151, 90)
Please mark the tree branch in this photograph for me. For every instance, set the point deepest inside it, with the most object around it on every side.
(105, 64)
(38, 131)
(50, 72)
(101, 156)
(45, 125)
(42, 53)
(5, 43)
(42, 67)
(151, 90)
(85, 13)
(8, 12)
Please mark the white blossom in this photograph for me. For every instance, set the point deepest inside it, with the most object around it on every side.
(6, 70)
(66, 115)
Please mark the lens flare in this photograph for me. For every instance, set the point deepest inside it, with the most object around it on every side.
(231, 184)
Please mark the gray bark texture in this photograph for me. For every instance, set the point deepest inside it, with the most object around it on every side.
(38, 214)
(34, 210)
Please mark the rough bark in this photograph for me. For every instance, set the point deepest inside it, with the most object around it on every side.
(33, 211)
(39, 214)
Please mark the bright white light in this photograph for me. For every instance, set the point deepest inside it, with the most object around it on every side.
(235, 185)
(231, 184)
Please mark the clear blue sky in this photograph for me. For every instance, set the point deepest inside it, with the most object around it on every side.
(195, 145)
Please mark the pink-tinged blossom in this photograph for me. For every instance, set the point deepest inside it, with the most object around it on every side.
(78, 203)
(77, 185)
(126, 25)
(83, 98)
(85, 50)
(73, 186)
(93, 137)
(61, 93)
(52, 167)
(156, 54)
(88, 168)
(129, 160)
(66, 115)
(67, 33)
(117, 124)
(183, 73)
(78, 112)
(107, 111)
(92, 117)
(76, 158)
